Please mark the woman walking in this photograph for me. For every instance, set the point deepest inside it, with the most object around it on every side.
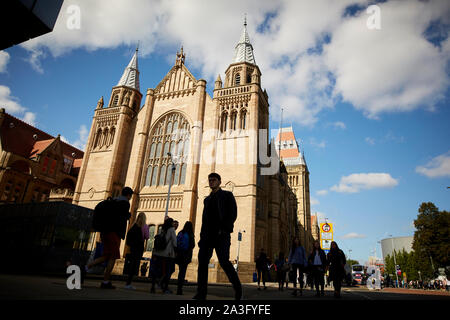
(297, 260)
(282, 267)
(165, 255)
(185, 245)
(136, 237)
(336, 261)
(318, 264)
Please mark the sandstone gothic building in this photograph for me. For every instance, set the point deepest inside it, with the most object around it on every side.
(175, 136)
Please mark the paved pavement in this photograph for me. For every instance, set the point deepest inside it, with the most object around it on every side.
(27, 287)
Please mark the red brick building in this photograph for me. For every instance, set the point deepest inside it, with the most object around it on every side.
(35, 166)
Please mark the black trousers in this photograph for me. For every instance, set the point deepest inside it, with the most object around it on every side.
(135, 261)
(222, 246)
(300, 269)
(181, 275)
(262, 276)
(318, 276)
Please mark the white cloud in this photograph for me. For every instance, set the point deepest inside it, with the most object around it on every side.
(339, 125)
(83, 135)
(317, 144)
(370, 140)
(322, 192)
(13, 106)
(364, 181)
(314, 201)
(4, 59)
(392, 69)
(353, 235)
(437, 167)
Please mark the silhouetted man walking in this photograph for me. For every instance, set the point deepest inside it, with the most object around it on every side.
(219, 215)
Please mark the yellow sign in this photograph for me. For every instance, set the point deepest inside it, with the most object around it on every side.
(326, 235)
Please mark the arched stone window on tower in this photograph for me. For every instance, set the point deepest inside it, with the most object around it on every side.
(97, 138)
(237, 79)
(243, 119)
(233, 119)
(112, 132)
(223, 122)
(115, 100)
(105, 138)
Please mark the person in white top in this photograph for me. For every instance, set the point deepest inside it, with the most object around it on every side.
(167, 255)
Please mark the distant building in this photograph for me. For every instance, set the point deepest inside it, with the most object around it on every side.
(397, 243)
(298, 179)
(35, 166)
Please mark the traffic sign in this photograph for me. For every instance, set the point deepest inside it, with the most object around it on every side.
(326, 235)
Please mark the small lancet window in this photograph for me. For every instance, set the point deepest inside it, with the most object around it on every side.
(237, 79)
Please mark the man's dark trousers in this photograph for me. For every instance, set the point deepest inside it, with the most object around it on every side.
(222, 246)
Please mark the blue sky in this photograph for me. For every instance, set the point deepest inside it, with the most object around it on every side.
(369, 106)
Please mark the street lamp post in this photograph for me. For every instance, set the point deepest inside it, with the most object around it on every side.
(170, 184)
(395, 260)
(239, 247)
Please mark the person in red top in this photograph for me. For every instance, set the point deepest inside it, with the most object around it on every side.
(111, 238)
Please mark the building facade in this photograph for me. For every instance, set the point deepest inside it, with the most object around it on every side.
(35, 166)
(398, 244)
(176, 135)
(298, 179)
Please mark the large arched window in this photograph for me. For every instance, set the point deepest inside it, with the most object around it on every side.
(170, 134)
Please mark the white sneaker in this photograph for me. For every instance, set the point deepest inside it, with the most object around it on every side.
(130, 287)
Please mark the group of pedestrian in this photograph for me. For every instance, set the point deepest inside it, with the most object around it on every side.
(297, 264)
(219, 215)
(430, 285)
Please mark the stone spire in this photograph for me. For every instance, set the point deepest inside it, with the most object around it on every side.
(130, 77)
(244, 49)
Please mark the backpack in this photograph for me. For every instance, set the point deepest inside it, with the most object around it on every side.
(134, 236)
(183, 241)
(160, 242)
(103, 212)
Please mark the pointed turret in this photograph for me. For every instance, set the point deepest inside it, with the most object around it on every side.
(244, 49)
(130, 77)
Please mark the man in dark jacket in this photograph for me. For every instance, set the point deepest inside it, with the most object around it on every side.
(111, 237)
(219, 215)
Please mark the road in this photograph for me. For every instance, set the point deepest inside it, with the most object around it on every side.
(24, 287)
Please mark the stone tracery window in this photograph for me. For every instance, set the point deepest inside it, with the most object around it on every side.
(170, 134)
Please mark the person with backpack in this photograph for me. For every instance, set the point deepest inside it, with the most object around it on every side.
(185, 245)
(136, 236)
(110, 219)
(297, 260)
(164, 250)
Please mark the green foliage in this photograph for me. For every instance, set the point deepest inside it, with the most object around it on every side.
(431, 245)
(352, 262)
(432, 238)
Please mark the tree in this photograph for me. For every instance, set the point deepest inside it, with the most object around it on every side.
(351, 262)
(431, 242)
